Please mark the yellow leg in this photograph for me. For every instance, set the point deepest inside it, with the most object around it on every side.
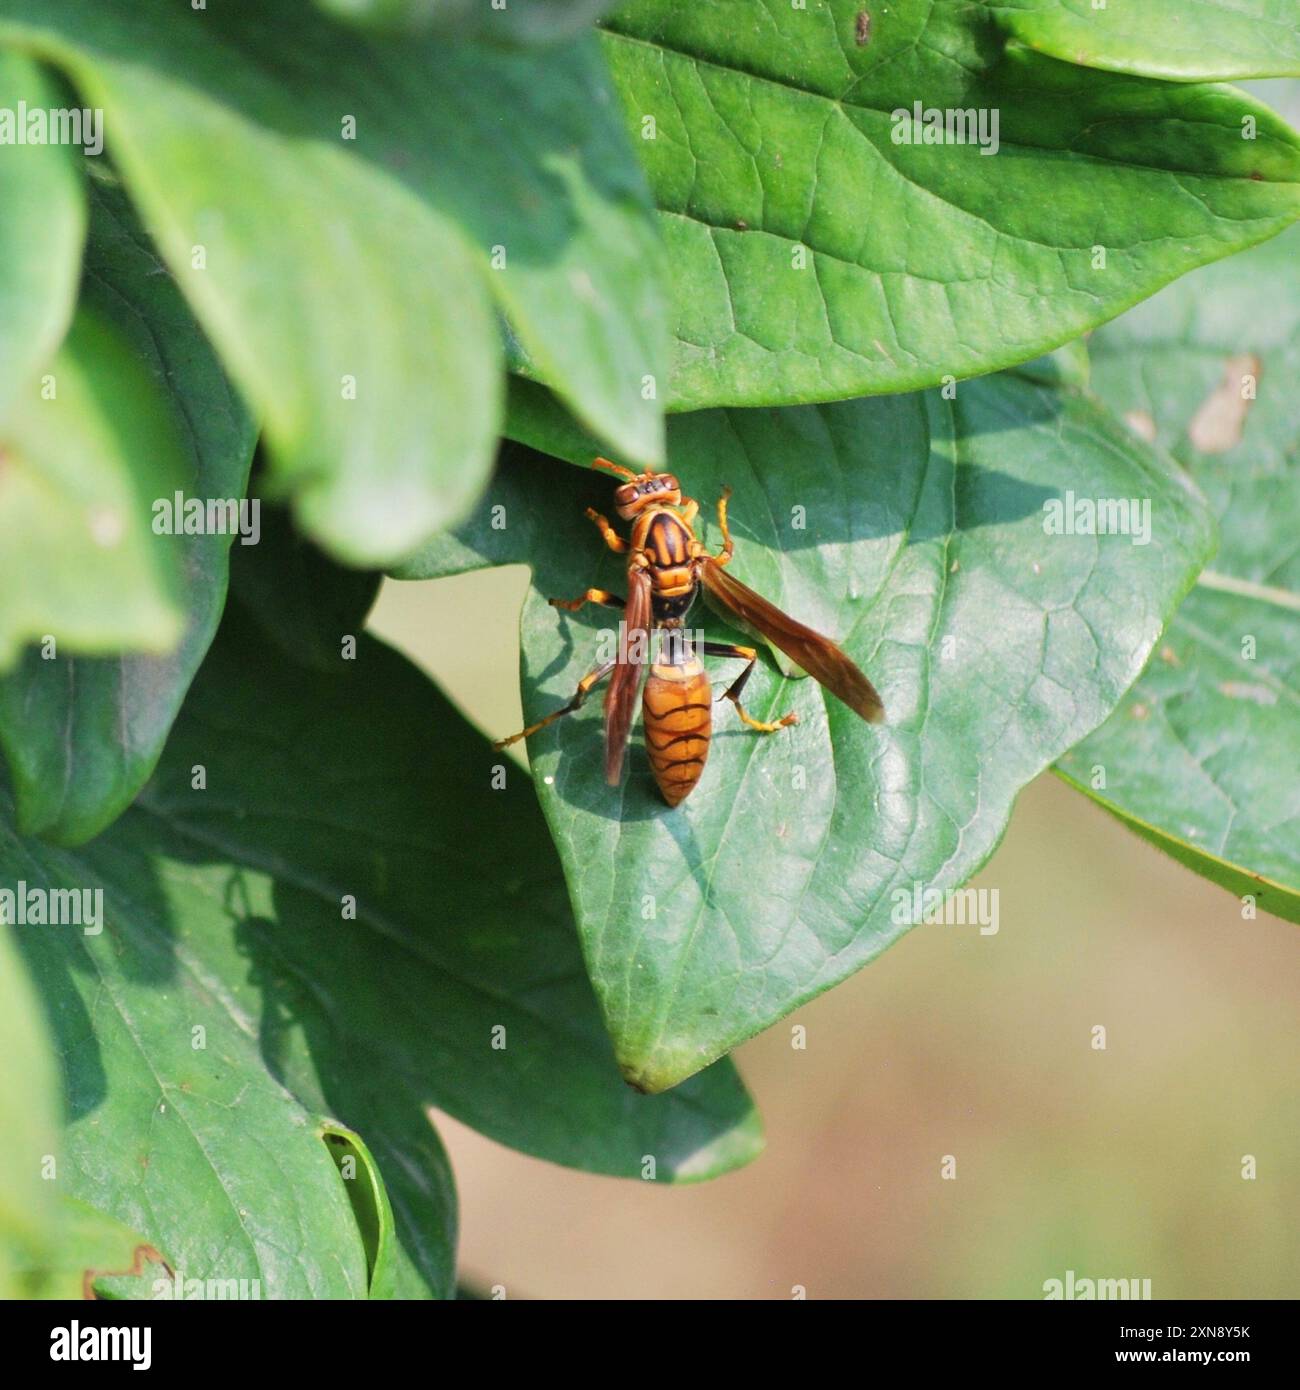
(690, 509)
(728, 545)
(591, 596)
(759, 725)
(612, 539)
(733, 692)
(592, 678)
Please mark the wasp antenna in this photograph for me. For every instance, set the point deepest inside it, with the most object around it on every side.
(614, 468)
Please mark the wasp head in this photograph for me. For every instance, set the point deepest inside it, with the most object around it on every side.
(647, 490)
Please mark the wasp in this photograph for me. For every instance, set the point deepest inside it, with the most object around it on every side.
(666, 567)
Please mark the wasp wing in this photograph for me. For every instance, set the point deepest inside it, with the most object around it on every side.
(621, 693)
(817, 655)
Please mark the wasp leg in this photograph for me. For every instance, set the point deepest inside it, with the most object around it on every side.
(723, 556)
(585, 685)
(612, 539)
(591, 596)
(736, 688)
(690, 510)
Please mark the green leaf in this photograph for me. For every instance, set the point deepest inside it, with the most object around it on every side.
(82, 735)
(29, 1116)
(374, 1213)
(344, 272)
(42, 225)
(557, 190)
(814, 258)
(306, 260)
(439, 958)
(179, 1127)
(913, 530)
(292, 882)
(83, 454)
(520, 21)
(1201, 756)
(1208, 40)
(99, 1257)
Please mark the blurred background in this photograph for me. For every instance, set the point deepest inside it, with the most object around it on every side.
(1122, 1163)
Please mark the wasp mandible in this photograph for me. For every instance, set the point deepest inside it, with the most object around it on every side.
(666, 565)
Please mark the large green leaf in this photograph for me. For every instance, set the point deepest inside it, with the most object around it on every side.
(29, 1117)
(1173, 39)
(345, 269)
(306, 263)
(1202, 756)
(364, 1184)
(179, 1127)
(84, 452)
(513, 958)
(309, 908)
(42, 223)
(82, 735)
(816, 258)
(911, 528)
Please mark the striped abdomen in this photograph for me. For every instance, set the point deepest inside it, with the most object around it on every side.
(677, 709)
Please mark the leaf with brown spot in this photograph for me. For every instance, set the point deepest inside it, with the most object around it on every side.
(1210, 776)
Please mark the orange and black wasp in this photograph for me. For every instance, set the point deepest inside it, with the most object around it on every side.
(666, 566)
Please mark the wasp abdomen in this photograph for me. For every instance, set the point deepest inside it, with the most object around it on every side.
(677, 709)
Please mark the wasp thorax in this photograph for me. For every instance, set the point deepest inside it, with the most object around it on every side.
(652, 490)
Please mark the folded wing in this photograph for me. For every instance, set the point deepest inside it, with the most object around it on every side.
(818, 655)
(621, 693)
